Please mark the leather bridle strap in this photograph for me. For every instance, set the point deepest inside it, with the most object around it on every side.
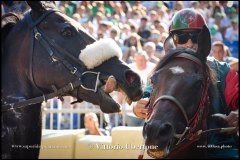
(174, 100)
(39, 20)
(44, 43)
(40, 99)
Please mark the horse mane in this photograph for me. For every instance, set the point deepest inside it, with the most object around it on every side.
(9, 20)
(166, 59)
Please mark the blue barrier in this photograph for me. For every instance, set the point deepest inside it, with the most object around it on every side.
(233, 46)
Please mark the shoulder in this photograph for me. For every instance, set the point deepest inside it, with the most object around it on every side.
(215, 64)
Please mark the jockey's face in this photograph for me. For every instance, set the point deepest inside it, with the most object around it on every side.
(186, 38)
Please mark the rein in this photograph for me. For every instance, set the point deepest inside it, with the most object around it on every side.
(48, 44)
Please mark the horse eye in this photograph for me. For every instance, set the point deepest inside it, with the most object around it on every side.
(67, 32)
(153, 79)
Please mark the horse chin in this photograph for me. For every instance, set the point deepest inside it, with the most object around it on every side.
(107, 103)
(104, 100)
(158, 153)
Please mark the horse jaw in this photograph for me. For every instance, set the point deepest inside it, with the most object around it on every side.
(101, 97)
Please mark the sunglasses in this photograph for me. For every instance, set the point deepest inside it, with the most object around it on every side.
(182, 38)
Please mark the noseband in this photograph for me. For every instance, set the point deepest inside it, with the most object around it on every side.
(49, 45)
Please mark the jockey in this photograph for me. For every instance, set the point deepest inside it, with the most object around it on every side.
(184, 30)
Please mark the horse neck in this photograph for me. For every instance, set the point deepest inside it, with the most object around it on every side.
(15, 66)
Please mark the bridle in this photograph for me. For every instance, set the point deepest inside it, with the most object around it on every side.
(193, 130)
(50, 45)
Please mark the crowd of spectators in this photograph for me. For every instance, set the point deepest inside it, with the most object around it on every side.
(141, 27)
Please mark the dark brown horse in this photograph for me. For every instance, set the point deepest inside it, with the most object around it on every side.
(179, 104)
(47, 54)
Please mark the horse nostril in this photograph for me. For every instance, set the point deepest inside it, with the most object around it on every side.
(131, 77)
(165, 129)
(158, 129)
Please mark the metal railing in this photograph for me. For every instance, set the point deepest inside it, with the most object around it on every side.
(62, 115)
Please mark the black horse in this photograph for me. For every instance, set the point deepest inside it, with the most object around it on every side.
(183, 85)
(47, 54)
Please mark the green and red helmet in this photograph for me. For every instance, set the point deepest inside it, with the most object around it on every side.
(187, 19)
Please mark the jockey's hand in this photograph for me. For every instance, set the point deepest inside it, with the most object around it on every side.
(232, 119)
(139, 109)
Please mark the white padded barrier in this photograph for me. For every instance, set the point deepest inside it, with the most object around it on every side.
(131, 139)
(91, 147)
(124, 143)
(59, 144)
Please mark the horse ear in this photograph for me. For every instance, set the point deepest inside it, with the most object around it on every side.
(204, 42)
(41, 6)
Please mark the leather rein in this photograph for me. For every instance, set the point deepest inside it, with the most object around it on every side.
(48, 44)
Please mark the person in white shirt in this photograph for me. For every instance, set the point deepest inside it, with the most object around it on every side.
(143, 67)
(232, 32)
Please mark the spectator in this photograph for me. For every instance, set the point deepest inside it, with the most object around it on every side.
(234, 64)
(227, 20)
(150, 49)
(81, 10)
(70, 8)
(156, 38)
(131, 45)
(76, 17)
(218, 50)
(118, 10)
(91, 124)
(232, 32)
(97, 19)
(153, 17)
(114, 34)
(143, 67)
(125, 32)
(217, 20)
(143, 30)
(215, 34)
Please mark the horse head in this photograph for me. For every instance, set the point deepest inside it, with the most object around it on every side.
(55, 51)
(179, 102)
